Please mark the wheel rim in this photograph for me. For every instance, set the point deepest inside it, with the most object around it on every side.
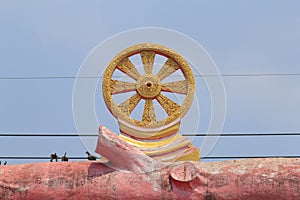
(148, 86)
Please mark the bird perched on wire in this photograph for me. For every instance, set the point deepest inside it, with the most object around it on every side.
(64, 158)
(53, 157)
(90, 156)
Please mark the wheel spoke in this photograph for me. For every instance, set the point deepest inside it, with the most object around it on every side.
(149, 113)
(148, 60)
(118, 87)
(129, 105)
(168, 105)
(128, 68)
(179, 87)
(168, 68)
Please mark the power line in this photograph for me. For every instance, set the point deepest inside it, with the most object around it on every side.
(186, 134)
(241, 134)
(45, 135)
(202, 158)
(35, 157)
(241, 75)
(197, 75)
(248, 157)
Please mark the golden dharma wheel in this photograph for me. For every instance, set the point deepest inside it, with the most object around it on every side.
(148, 86)
(154, 135)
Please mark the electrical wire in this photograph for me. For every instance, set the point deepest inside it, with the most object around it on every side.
(36, 157)
(241, 134)
(196, 75)
(247, 157)
(186, 134)
(202, 158)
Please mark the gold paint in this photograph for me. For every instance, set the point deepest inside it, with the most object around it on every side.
(129, 105)
(142, 144)
(118, 87)
(148, 60)
(149, 113)
(179, 87)
(148, 86)
(149, 134)
(128, 68)
(174, 62)
(168, 105)
(168, 149)
(194, 155)
(191, 154)
(167, 69)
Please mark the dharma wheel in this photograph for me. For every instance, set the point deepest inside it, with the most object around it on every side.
(158, 138)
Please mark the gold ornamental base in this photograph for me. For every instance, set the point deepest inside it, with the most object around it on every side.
(165, 145)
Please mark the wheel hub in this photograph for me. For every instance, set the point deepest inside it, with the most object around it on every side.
(148, 86)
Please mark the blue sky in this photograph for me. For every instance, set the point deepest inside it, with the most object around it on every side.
(52, 38)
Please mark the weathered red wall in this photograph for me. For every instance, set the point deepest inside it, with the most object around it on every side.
(246, 179)
(77, 180)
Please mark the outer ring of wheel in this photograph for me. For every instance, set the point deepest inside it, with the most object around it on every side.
(160, 50)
